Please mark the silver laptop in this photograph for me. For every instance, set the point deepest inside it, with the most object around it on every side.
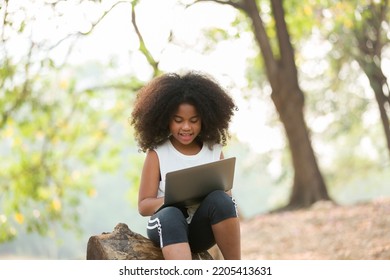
(189, 186)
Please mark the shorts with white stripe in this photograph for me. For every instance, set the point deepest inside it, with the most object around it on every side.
(169, 225)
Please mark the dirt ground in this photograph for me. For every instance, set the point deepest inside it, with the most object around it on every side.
(323, 232)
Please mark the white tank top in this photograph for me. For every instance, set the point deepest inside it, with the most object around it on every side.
(171, 159)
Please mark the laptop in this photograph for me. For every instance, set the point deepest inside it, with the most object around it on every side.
(189, 186)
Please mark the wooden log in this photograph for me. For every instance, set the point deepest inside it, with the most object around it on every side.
(124, 244)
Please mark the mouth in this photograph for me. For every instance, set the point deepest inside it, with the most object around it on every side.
(186, 136)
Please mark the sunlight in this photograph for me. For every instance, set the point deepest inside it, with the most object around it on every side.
(183, 53)
(249, 124)
(70, 158)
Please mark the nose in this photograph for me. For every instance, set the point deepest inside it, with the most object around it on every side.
(186, 125)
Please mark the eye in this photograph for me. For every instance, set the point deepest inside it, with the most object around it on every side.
(195, 120)
(177, 120)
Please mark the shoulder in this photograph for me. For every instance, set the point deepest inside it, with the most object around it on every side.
(151, 158)
(151, 154)
(162, 150)
(151, 164)
(215, 146)
(214, 149)
(163, 146)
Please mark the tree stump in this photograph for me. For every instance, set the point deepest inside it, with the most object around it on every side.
(124, 244)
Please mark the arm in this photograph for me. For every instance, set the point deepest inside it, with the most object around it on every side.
(148, 202)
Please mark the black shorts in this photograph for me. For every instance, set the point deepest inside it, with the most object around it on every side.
(169, 225)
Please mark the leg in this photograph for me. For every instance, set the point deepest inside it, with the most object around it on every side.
(216, 221)
(227, 235)
(178, 251)
(169, 229)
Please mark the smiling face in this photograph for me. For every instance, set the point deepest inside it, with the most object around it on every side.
(185, 125)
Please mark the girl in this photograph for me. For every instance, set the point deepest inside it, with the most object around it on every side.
(182, 121)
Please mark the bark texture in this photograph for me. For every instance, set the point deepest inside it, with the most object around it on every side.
(308, 186)
(124, 244)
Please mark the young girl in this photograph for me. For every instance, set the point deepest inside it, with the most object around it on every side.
(182, 121)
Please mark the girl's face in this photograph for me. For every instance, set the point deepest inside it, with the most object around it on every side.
(185, 125)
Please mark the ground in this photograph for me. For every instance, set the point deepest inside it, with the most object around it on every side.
(323, 232)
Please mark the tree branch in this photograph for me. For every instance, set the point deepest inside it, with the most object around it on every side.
(2, 36)
(236, 4)
(284, 42)
(25, 91)
(261, 37)
(93, 25)
(142, 46)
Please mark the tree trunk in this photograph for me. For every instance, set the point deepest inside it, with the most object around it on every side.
(308, 186)
(370, 43)
(378, 82)
(124, 244)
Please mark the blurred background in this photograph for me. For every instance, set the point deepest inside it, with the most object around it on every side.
(309, 78)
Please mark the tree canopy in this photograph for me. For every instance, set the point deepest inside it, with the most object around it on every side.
(63, 120)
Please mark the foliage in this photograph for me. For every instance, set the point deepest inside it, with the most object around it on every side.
(342, 109)
(55, 128)
(58, 123)
(339, 108)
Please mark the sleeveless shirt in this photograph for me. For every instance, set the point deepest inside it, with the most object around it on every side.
(171, 159)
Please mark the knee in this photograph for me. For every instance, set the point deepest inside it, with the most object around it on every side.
(171, 217)
(220, 199)
(221, 206)
(168, 226)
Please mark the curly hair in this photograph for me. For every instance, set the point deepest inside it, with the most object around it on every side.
(158, 100)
